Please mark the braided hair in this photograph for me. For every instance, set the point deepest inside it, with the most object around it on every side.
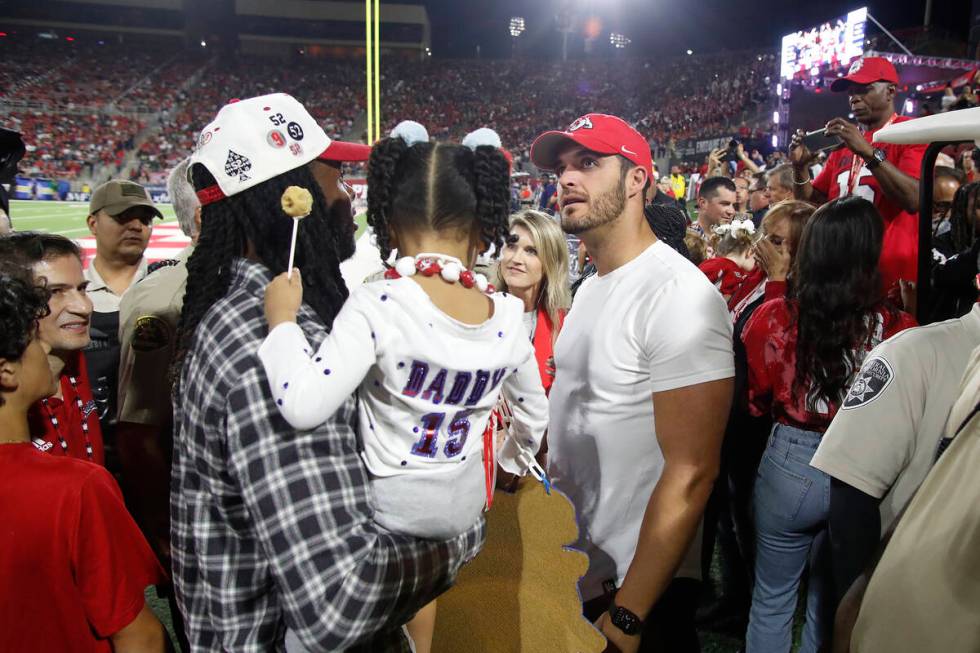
(669, 224)
(962, 221)
(437, 186)
(254, 217)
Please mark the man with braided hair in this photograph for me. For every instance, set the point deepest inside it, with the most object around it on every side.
(272, 526)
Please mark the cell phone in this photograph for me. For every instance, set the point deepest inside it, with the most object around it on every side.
(731, 154)
(820, 141)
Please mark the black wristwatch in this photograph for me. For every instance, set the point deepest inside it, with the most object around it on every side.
(876, 159)
(625, 620)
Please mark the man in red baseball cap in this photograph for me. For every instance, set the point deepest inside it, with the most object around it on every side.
(599, 133)
(885, 174)
(592, 142)
(647, 339)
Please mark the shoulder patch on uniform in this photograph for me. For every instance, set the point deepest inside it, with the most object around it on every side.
(150, 333)
(157, 265)
(874, 377)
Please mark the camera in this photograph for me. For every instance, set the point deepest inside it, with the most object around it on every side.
(819, 141)
(731, 154)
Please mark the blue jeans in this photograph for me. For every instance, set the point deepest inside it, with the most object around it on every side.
(792, 503)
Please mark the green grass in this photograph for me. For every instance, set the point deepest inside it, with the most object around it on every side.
(65, 218)
(68, 218)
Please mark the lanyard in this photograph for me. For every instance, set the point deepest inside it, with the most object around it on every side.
(81, 412)
(857, 163)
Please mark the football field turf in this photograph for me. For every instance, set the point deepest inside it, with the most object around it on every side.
(65, 218)
(68, 219)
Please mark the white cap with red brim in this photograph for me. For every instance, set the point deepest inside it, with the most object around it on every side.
(253, 140)
(963, 125)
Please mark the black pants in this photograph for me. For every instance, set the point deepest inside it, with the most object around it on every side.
(728, 515)
(669, 628)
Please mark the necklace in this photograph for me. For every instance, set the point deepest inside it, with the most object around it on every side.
(450, 268)
(81, 412)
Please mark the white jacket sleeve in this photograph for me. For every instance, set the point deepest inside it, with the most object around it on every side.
(308, 389)
(529, 405)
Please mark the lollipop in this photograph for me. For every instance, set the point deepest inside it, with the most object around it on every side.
(297, 203)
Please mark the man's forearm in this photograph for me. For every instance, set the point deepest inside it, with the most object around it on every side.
(143, 635)
(898, 186)
(750, 164)
(803, 187)
(855, 531)
(668, 528)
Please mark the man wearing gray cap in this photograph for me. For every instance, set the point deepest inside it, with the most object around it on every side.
(120, 217)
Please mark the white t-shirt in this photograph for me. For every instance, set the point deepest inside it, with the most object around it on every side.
(883, 440)
(426, 386)
(652, 325)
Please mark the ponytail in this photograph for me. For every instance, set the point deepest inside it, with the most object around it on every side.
(491, 173)
(385, 156)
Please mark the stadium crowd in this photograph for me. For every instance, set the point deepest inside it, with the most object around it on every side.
(696, 97)
(71, 145)
(721, 361)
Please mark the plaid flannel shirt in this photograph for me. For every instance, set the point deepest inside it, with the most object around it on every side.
(272, 526)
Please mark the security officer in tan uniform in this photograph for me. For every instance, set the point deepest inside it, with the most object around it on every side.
(148, 316)
(120, 217)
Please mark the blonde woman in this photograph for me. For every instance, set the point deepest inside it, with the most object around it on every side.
(534, 268)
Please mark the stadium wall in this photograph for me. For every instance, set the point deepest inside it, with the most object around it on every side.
(175, 5)
(162, 17)
(305, 22)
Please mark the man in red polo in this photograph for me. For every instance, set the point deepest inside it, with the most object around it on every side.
(885, 174)
(67, 423)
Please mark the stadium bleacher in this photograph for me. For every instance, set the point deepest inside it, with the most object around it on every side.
(82, 105)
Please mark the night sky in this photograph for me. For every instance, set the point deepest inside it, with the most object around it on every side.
(660, 27)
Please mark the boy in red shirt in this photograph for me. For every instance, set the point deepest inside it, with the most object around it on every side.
(68, 549)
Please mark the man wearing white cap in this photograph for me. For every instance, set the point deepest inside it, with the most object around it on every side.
(272, 527)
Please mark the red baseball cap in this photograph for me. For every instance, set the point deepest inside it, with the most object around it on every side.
(597, 132)
(343, 151)
(865, 71)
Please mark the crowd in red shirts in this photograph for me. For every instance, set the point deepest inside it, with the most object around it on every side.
(693, 96)
(68, 146)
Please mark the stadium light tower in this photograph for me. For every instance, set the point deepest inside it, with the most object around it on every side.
(618, 41)
(516, 26)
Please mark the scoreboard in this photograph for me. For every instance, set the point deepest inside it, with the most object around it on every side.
(832, 45)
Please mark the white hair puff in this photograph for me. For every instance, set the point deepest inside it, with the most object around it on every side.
(482, 136)
(411, 132)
